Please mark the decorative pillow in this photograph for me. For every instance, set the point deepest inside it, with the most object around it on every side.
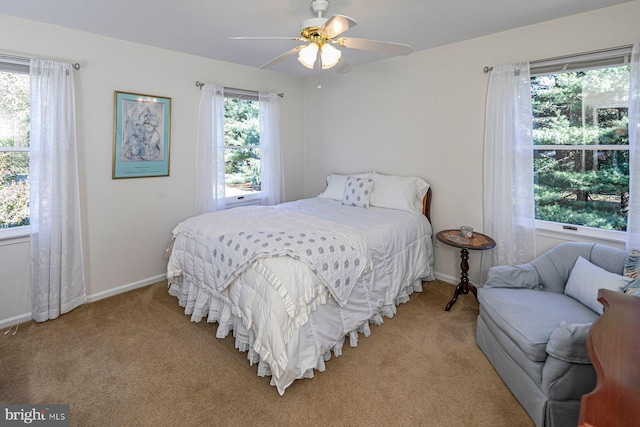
(631, 264)
(633, 288)
(336, 184)
(398, 192)
(585, 280)
(357, 191)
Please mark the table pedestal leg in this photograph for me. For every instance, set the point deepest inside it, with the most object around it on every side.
(464, 286)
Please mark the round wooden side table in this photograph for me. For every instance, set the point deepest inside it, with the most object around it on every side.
(479, 242)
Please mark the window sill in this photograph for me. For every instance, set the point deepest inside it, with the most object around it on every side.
(254, 202)
(244, 200)
(556, 230)
(12, 236)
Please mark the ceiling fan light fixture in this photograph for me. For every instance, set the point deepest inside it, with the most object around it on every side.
(308, 54)
(330, 56)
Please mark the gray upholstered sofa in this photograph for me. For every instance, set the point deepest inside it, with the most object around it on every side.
(535, 336)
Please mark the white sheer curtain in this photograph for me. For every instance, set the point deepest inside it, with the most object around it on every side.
(57, 272)
(633, 218)
(209, 188)
(509, 210)
(272, 187)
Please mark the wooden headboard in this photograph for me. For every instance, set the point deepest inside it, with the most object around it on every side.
(426, 204)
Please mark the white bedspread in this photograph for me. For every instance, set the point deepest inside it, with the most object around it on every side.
(279, 310)
(327, 247)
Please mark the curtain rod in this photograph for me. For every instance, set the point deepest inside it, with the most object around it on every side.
(487, 68)
(21, 59)
(199, 84)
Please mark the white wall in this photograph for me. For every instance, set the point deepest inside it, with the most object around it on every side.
(127, 222)
(424, 115)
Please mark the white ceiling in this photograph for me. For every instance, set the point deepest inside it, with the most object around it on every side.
(203, 27)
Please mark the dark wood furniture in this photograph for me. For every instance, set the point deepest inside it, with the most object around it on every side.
(614, 348)
(479, 241)
(426, 204)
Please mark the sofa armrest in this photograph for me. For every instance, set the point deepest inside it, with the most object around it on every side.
(568, 373)
(512, 276)
(566, 381)
(568, 342)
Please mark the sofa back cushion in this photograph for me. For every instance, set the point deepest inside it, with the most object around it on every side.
(554, 267)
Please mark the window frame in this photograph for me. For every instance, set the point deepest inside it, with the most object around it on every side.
(581, 62)
(255, 197)
(18, 65)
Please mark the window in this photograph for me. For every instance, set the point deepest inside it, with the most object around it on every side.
(14, 146)
(581, 144)
(241, 145)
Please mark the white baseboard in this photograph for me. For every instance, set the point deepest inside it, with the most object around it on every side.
(450, 279)
(12, 321)
(5, 323)
(125, 288)
(446, 278)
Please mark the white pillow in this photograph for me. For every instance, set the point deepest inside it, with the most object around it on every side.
(357, 191)
(398, 192)
(336, 184)
(585, 280)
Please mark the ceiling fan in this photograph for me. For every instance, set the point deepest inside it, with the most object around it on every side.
(321, 34)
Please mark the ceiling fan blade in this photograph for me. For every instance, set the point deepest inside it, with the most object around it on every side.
(337, 25)
(266, 38)
(282, 57)
(375, 45)
(342, 67)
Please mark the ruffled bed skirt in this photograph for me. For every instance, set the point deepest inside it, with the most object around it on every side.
(201, 302)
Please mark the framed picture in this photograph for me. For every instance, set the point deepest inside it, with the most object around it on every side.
(141, 134)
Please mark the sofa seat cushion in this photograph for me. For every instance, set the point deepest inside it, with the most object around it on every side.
(528, 317)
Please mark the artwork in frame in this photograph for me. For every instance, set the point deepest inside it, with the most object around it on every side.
(141, 135)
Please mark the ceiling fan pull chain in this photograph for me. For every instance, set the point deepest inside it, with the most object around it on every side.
(319, 63)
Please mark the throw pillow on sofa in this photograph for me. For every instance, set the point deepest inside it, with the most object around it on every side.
(631, 269)
(632, 264)
(585, 280)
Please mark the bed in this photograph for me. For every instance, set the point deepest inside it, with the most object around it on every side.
(292, 282)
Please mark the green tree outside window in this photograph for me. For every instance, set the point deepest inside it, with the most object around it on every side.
(581, 147)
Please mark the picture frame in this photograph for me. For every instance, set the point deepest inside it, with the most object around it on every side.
(141, 135)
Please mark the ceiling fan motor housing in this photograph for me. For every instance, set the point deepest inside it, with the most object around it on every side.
(309, 27)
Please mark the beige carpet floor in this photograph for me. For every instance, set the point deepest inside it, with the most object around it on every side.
(135, 359)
